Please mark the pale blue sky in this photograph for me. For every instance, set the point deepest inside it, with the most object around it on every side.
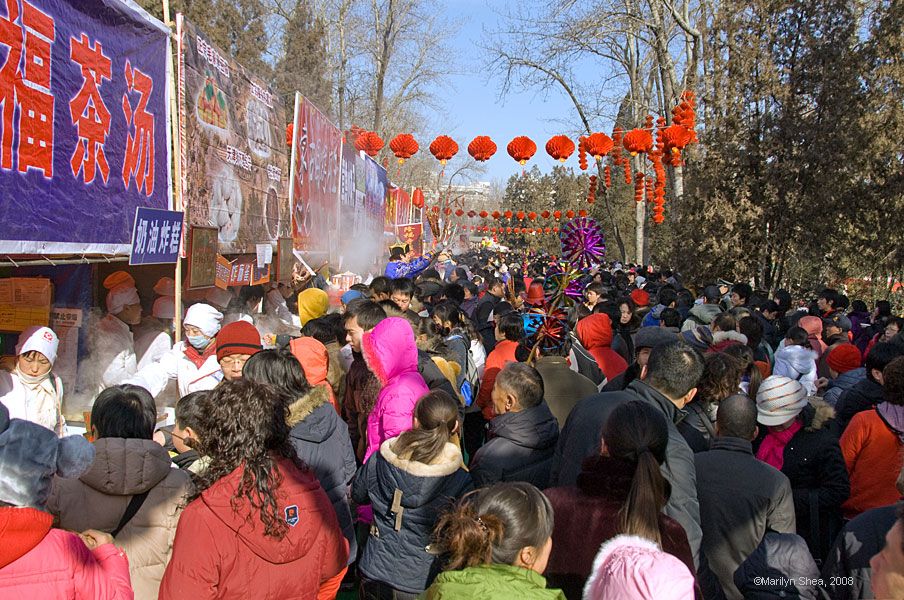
(474, 107)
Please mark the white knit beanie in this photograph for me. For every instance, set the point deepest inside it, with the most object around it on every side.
(779, 400)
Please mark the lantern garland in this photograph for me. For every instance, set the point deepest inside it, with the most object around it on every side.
(443, 148)
(582, 153)
(560, 147)
(403, 146)
(522, 149)
(482, 148)
(598, 145)
(591, 193)
(370, 143)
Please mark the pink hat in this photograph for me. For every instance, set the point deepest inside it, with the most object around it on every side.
(633, 568)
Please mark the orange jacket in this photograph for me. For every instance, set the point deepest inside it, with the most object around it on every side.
(872, 454)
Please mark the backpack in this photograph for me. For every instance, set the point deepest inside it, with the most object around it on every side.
(471, 382)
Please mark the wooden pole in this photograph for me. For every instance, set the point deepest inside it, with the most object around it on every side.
(175, 133)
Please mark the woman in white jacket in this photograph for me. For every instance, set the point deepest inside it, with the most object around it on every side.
(194, 362)
(31, 392)
(797, 361)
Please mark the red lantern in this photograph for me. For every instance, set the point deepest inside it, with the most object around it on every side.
(436, 209)
(638, 141)
(582, 213)
(404, 146)
(447, 211)
(598, 145)
(547, 230)
(496, 214)
(520, 215)
(555, 230)
(569, 214)
(417, 198)
(492, 230)
(517, 230)
(508, 214)
(545, 214)
(531, 216)
(557, 215)
(522, 149)
(370, 143)
(484, 214)
(443, 148)
(459, 212)
(676, 137)
(508, 229)
(560, 147)
(482, 148)
(471, 214)
(290, 130)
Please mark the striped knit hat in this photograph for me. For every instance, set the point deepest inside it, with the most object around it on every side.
(779, 400)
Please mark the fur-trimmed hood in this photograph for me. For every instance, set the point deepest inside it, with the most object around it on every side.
(817, 414)
(299, 410)
(446, 463)
(419, 483)
(720, 337)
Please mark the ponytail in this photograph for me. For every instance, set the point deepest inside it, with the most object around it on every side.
(468, 538)
(638, 434)
(437, 416)
(493, 524)
(639, 515)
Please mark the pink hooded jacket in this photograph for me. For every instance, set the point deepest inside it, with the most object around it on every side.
(391, 354)
(39, 562)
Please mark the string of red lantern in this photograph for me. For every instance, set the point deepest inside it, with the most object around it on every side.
(404, 146)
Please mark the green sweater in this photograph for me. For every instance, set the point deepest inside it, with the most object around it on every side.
(491, 582)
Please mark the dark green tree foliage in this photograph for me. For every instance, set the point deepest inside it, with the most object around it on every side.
(783, 188)
(302, 65)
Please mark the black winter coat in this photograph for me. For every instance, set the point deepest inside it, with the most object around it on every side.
(321, 440)
(482, 323)
(519, 447)
(847, 566)
(819, 479)
(407, 498)
(863, 396)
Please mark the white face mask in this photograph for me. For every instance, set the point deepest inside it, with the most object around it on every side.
(31, 380)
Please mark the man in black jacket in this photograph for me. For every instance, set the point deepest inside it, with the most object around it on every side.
(740, 497)
(522, 436)
(483, 310)
(868, 393)
(668, 382)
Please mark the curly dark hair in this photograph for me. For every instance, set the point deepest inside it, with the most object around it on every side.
(244, 426)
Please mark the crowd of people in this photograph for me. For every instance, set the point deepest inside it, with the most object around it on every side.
(443, 434)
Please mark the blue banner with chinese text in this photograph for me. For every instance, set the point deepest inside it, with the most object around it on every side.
(83, 124)
(155, 236)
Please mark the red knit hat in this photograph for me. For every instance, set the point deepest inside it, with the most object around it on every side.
(640, 297)
(240, 337)
(844, 358)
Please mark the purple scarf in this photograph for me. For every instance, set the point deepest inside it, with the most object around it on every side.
(893, 415)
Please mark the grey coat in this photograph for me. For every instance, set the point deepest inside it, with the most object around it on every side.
(740, 499)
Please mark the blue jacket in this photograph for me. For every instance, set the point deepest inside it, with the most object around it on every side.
(396, 269)
(843, 383)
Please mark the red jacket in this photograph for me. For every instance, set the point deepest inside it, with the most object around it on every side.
(223, 553)
(39, 562)
(503, 353)
(595, 333)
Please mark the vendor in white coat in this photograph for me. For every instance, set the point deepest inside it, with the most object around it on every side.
(112, 346)
(31, 392)
(194, 362)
